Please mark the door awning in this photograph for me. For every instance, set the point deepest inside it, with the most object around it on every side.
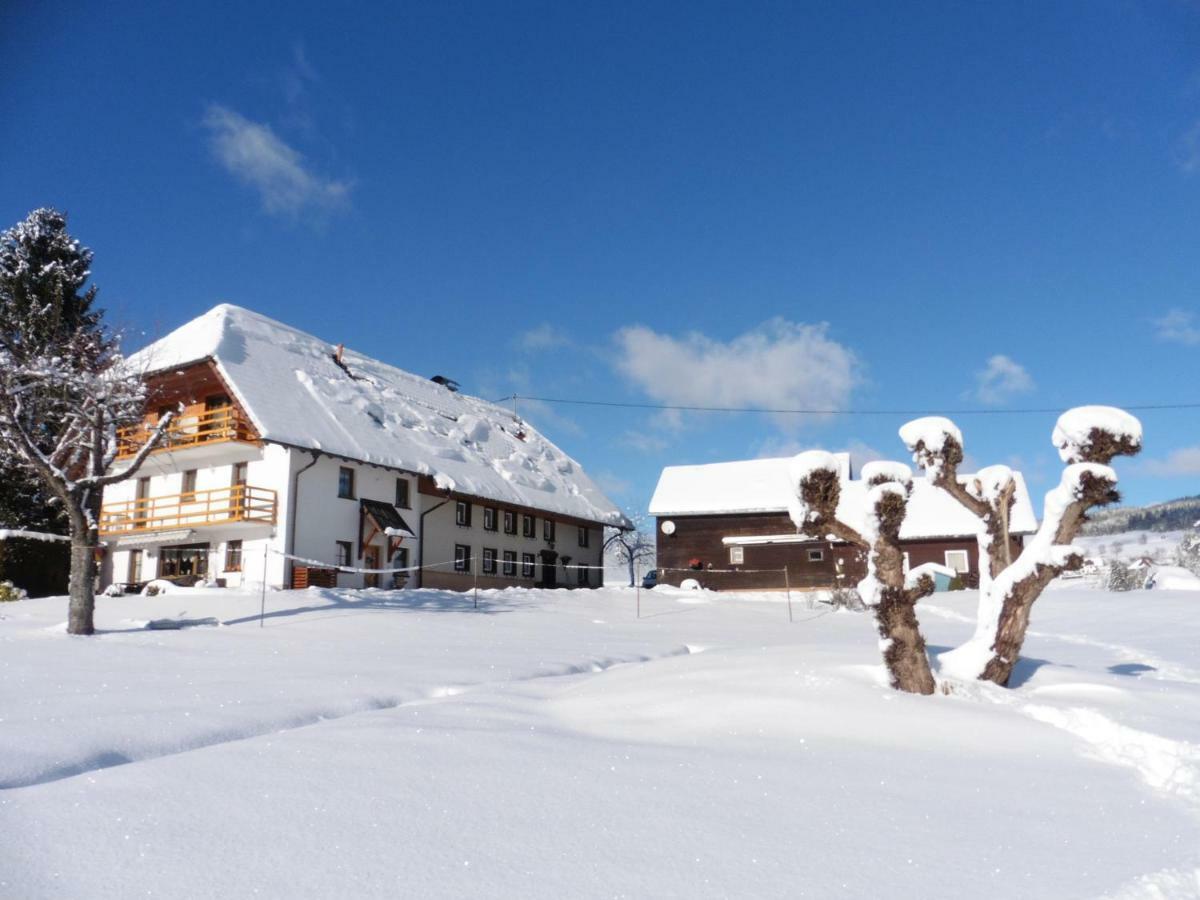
(151, 540)
(382, 519)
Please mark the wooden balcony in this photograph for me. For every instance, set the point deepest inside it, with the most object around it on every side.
(192, 428)
(219, 506)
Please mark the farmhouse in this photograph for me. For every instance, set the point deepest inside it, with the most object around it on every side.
(727, 526)
(292, 460)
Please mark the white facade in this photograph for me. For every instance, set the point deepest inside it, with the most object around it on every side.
(312, 519)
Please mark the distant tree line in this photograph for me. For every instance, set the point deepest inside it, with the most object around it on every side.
(1173, 515)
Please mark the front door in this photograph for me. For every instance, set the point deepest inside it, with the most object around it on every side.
(549, 569)
(371, 561)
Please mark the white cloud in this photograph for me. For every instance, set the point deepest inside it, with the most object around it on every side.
(779, 365)
(1187, 150)
(1000, 380)
(860, 451)
(254, 154)
(612, 484)
(1178, 463)
(1179, 327)
(644, 441)
(543, 337)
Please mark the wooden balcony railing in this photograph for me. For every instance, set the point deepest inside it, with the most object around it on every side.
(219, 506)
(226, 423)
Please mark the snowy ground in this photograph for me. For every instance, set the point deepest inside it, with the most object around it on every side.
(551, 744)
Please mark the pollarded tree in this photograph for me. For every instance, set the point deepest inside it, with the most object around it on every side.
(873, 526)
(1087, 439)
(630, 546)
(64, 389)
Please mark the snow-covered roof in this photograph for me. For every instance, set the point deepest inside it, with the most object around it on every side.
(764, 486)
(295, 393)
(745, 486)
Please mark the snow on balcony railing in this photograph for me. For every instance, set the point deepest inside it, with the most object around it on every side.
(218, 506)
(227, 423)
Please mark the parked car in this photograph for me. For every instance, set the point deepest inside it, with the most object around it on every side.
(650, 579)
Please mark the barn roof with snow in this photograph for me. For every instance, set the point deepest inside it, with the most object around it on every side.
(296, 393)
(764, 486)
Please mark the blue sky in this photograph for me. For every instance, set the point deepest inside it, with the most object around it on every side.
(860, 206)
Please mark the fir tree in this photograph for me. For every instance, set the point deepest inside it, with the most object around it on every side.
(64, 390)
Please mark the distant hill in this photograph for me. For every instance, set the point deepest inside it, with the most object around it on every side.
(1174, 515)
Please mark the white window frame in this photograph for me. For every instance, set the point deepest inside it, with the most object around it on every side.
(737, 556)
(966, 561)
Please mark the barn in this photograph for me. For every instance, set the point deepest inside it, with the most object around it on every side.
(727, 526)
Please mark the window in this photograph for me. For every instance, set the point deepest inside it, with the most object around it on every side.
(581, 575)
(343, 555)
(957, 560)
(816, 555)
(400, 560)
(737, 555)
(462, 514)
(183, 559)
(189, 481)
(584, 536)
(510, 522)
(402, 500)
(529, 526)
(510, 562)
(233, 556)
(346, 482)
(489, 561)
(526, 565)
(239, 474)
(489, 518)
(548, 530)
(462, 558)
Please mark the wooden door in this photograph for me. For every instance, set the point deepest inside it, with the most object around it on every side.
(371, 561)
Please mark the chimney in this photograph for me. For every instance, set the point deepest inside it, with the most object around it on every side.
(341, 348)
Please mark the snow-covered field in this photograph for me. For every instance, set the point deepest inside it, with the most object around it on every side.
(550, 744)
(1132, 545)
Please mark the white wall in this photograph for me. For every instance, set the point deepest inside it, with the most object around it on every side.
(322, 518)
(443, 532)
(325, 518)
(269, 470)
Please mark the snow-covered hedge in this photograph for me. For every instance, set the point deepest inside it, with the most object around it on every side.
(10, 592)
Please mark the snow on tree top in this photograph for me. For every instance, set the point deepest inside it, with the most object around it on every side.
(885, 470)
(766, 486)
(1073, 430)
(296, 393)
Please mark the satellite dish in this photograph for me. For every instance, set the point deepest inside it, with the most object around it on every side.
(668, 527)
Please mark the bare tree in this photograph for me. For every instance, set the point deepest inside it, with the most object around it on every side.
(631, 545)
(817, 511)
(64, 388)
(1087, 438)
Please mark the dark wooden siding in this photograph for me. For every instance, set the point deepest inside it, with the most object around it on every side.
(700, 538)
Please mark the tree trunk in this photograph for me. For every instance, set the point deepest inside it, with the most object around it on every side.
(895, 617)
(1014, 621)
(82, 587)
(632, 573)
(904, 651)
